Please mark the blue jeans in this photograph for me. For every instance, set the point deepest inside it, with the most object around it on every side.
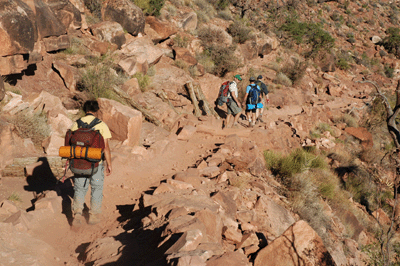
(81, 186)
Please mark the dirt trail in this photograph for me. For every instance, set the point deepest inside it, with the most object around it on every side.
(131, 176)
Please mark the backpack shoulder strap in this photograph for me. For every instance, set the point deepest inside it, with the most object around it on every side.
(94, 122)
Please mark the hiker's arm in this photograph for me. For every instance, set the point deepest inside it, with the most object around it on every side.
(107, 155)
(245, 99)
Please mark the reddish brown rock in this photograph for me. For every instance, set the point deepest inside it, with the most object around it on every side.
(164, 30)
(362, 134)
(236, 258)
(109, 31)
(126, 13)
(125, 123)
(183, 54)
(299, 245)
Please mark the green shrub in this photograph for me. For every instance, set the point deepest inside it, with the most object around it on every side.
(181, 41)
(223, 58)
(94, 6)
(296, 162)
(143, 80)
(282, 79)
(211, 36)
(343, 60)
(310, 33)
(295, 72)
(225, 14)
(392, 40)
(389, 71)
(14, 197)
(33, 126)
(99, 78)
(150, 7)
(239, 31)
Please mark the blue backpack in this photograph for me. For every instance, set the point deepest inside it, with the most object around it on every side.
(254, 94)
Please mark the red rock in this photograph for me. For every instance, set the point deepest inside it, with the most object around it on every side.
(299, 245)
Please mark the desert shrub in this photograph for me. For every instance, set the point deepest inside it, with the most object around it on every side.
(282, 79)
(181, 41)
(94, 6)
(33, 126)
(392, 40)
(205, 60)
(225, 14)
(181, 64)
(205, 12)
(310, 33)
(343, 59)
(239, 31)
(143, 80)
(389, 71)
(14, 197)
(295, 72)
(349, 120)
(99, 78)
(76, 47)
(298, 161)
(211, 36)
(320, 129)
(223, 58)
(150, 7)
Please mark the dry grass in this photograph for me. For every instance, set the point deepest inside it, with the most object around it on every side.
(33, 126)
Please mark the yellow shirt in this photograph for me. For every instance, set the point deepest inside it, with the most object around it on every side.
(101, 127)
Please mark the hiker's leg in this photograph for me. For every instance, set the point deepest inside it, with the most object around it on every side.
(96, 183)
(81, 185)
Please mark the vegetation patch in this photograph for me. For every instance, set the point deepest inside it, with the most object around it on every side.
(33, 126)
(150, 7)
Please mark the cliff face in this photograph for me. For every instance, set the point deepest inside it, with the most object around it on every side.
(187, 191)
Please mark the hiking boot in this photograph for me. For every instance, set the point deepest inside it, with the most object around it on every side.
(79, 220)
(94, 219)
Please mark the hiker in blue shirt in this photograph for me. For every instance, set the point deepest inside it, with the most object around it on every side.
(252, 98)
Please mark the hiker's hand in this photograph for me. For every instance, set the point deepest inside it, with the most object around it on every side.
(108, 169)
(240, 105)
(267, 100)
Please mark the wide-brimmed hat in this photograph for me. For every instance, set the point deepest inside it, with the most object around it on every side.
(238, 77)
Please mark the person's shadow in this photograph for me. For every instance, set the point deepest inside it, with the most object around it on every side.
(42, 179)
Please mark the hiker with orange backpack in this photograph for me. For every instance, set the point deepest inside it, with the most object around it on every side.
(228, 94)
(94, 176)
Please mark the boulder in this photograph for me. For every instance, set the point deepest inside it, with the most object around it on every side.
(47, 21)
(125, 123)
(49, 104)
(12, 64)
(189, 21)
(187, 242)
(52, 144)
(210, 85)
(298, 245)
(272, 217)
(16, 38)
(183, 54)
(109, 31)
(362, 134)
(56, 43)
(66, 13)
(126, 13)
(163, 30)
(131, 87)
(69, 74)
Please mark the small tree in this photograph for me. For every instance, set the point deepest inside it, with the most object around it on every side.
(386, 235)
